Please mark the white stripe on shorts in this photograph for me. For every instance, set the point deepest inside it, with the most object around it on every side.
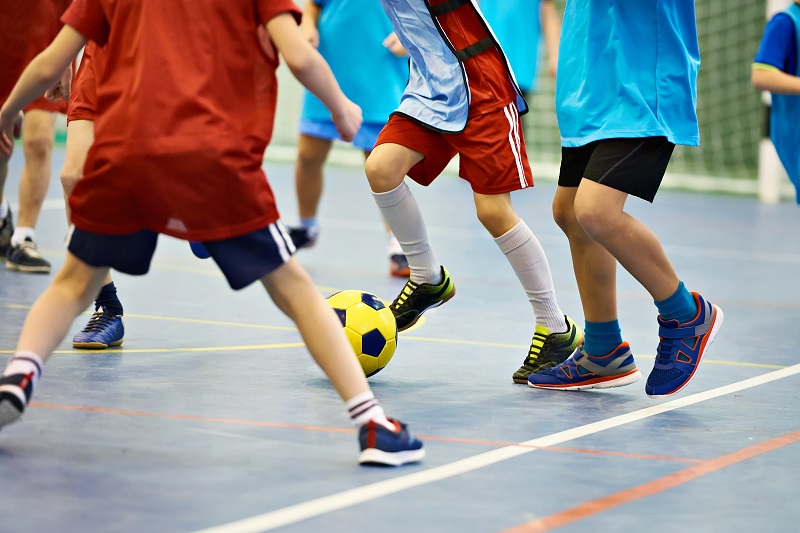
(286, 237)
(280, 241)
(513, 139)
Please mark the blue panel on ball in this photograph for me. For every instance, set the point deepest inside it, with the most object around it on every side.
(372, 301)
(372, 343)
(342, 314)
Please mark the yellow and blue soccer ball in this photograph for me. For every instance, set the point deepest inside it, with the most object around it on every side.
(370, 327)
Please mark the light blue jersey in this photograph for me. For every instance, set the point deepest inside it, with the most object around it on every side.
(785, 117)
(517, 26)
(628, 68)
(351, 34)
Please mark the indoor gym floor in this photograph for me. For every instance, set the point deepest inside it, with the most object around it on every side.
(213, 417)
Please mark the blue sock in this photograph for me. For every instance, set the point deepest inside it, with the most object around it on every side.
(680, 306)
(108, 300)
(601, 338)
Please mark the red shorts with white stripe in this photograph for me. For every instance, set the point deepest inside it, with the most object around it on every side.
(491, 150)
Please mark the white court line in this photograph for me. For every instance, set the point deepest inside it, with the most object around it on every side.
(349, 498)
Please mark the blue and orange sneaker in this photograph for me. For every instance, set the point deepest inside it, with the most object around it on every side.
(582, 371)
(380, 446)
(102, 331)
(199, 250)
(15, 393)
(681, 348)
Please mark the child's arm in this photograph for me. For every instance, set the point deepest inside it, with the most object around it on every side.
(551, 29)
(767, 78)
(42, 73)
(310, 69)
(310, 23)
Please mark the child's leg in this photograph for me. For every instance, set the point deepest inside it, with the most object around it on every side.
(386, 169)
(45, 327)
(308, 173)
(525, 254)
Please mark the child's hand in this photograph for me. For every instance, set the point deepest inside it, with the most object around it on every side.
(393, 44)
(348, 120)
(10, 128)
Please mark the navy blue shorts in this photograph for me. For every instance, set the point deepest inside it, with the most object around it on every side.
(243, 259)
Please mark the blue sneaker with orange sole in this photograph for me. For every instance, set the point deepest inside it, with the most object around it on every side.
(682, 348)
(582, 371)
(381, 446)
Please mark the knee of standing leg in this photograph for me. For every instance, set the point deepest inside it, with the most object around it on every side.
(37, 146)
(591, 217)
(68, 180)
(492, 219)
(306, 159)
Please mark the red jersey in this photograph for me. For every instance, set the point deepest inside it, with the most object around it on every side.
(487, 73)
(26, 28)
(83, 95)
(185, 108)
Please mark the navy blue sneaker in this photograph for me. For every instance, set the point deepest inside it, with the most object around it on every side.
(199, 250)
(398, 266)
(6, 232)
(15, 393)
(681, 348)
(582, 371)
(102, 330)
(380, 446)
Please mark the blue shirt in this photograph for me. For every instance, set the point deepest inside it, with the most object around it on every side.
(351, 34)
(779, 44)
(628, 68)
(517, 26)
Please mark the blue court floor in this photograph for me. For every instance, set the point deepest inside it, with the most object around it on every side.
(212, 417)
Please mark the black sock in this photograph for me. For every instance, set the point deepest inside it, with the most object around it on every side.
(108, 300)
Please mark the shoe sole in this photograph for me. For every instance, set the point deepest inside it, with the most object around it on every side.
(95, 345)
(372, 456)
(626, 379)
(32, 270)
(401, 273)
(720, 317)
(416, 318)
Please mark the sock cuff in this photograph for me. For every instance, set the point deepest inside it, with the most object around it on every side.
(31, 358)
(514, 238)
(393, 197)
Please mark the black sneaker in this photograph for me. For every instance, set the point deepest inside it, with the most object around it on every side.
(415, 299)
(303, 237)
(549, 349)
(26, 258)
(6, 231)
(15, 393)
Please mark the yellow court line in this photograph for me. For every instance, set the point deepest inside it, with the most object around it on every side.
(416, 326)
(177, 350)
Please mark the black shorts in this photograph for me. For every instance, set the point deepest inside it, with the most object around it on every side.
(635, 166)
(242, 259)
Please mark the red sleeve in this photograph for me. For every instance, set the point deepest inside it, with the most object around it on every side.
(269, 9)
(88, 18)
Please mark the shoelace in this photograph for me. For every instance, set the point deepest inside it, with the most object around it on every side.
(406, 295)
(99, 322)
(536, 350)
(664, 351)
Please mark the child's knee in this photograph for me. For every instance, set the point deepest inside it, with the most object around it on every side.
(37, 147)
(382, 175)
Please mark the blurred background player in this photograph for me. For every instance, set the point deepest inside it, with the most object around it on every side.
(621, 113)
(106, 327)
(169, 160)
(521, 27)
(462, 99)
(776, 69)
(353, 37)
(26, 28)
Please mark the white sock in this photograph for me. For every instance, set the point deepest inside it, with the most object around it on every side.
(527, 258)
(392, 246)
(401, 212)
(364, 407)
(4, 207)
(21, 233)
(24, 363)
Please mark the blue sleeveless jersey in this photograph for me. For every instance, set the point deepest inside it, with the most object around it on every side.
(628, 68)
(785, 119)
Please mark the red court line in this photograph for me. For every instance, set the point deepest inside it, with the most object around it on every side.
(342, 430)
(605, 503)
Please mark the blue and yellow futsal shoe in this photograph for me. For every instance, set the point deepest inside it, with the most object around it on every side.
(681, 348)
(102, 331)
